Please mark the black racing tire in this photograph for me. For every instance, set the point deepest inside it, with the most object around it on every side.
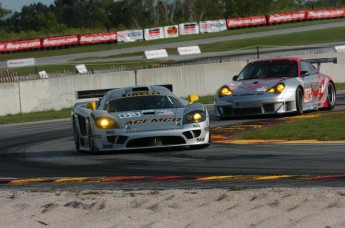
(90, 139)
(76, 138)
(299, 101)
(331, 96)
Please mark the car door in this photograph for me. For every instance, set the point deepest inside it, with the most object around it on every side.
(309, 76)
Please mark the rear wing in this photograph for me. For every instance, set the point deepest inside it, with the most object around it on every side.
(322, 60)
(98, 93)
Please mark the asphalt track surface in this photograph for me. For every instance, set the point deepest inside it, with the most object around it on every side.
(41, 155)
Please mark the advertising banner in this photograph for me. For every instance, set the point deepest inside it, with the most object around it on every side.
(98, 38)
(212, 26)
(59, 41)
(155, 54)
(23, 45)
(189, 28)
(171, 31)
(154, 33)
(2, 47)
(329, 13)
(188, 50)
(287, 17)
(246, 21)
(130, 36)
(20, 62)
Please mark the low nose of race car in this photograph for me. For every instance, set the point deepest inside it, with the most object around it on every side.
(149, 120)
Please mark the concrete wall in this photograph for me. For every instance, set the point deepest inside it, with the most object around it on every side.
(59, 93)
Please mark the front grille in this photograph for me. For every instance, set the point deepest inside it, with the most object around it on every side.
(156, 141)
(269, 108)
(192, 134)
(117, 139)
(247, 111)
(227, 111)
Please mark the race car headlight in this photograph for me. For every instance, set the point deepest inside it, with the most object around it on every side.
(194, 117)
(224, 91)
(106, 123)
(276, 89)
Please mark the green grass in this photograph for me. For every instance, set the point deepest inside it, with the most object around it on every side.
(329, 126)
(35, 116)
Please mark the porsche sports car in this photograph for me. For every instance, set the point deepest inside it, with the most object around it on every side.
(276, 86)
(139, 117)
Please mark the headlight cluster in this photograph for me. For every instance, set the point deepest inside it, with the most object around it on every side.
(106, 123)
(194, 117)
(224, 91)
(277, 88)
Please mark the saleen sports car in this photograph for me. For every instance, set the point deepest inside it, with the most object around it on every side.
(277, 86)
(139, 117)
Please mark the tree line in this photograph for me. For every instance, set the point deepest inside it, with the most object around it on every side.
(89, 16)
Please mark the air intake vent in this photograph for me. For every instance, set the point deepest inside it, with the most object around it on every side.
(136, 89)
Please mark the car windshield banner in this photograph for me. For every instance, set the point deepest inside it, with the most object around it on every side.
(171, 31)
(246, 21)
(212, 26)
(130, 35)
(154, 33)
(189, 28)
(287, 17)
(98, 38)
(59, 41)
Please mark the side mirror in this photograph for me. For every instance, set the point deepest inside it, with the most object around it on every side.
(235, 78)
(193, 98)
(304, 73)
(91, 105)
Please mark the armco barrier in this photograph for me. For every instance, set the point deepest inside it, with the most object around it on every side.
(203, 79)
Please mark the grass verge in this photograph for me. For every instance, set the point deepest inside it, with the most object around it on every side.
(326, 127)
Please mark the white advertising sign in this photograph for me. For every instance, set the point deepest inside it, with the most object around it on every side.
(171, 31)
(130, 35)
(43, 74)
(21, 62)
(81, 69)
(188, 50)
(340, 48)
(188, 28)
(155, 54)
(212, 26)
(154, 33)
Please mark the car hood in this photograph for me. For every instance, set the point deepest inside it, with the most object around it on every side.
(151, 120)
(254, 86)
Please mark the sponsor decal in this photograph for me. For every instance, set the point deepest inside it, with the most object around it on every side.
(129, 115)
(308, 95)
(156, 120)
(164, 112)
(196, 125)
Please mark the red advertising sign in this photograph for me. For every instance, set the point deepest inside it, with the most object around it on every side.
(2, 47)
(59, 41)
(98, 38)
(329, 13)
(287, 17)
(22, 45)
(246, 21)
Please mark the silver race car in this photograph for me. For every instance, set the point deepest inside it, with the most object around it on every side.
(139, 117)
(276, 86)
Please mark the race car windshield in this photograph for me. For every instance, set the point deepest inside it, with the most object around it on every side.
(143, 103)
(269, 69)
